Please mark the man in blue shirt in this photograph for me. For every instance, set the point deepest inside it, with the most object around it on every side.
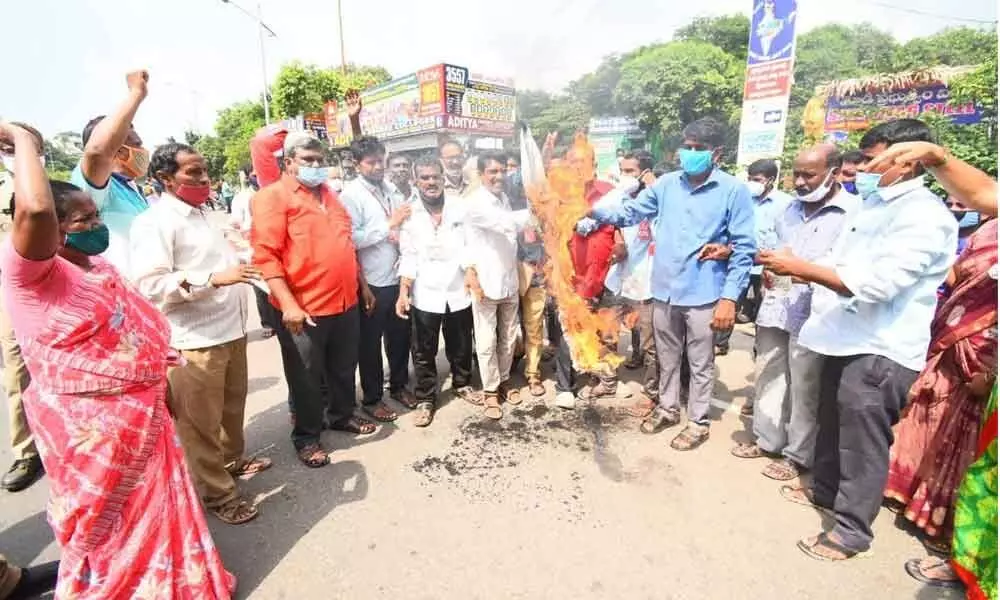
(768, 203)
(696, 207)
(873, 301)
(113, 157)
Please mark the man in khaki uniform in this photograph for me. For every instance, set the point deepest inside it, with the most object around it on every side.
(27, 465)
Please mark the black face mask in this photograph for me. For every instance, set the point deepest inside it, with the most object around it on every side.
(435, 202)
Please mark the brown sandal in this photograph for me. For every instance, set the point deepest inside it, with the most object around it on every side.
(690, 438)
(492, 409)
(380, 412)
(423, 414)
(236, 512)
(641, 409)
(747, 451)
(248, 467)
(512, 396)
(313, 456)
(536, 388)
(469, 395)
(782, 470)
(804, 496)
(355, 425)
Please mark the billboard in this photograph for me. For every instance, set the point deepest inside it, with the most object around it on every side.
(439, 97)
(768, 82)
(855, 112)
(393, 109)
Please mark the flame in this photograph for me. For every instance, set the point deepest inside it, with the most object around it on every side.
(558, 204)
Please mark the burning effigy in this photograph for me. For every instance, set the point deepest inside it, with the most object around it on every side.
(558, 201)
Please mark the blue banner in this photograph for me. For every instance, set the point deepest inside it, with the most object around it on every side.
(772, 30)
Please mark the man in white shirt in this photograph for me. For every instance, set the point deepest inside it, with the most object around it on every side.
(432, 289)
(185, 267)
(377, 211)
(490, 260)
(872, 306)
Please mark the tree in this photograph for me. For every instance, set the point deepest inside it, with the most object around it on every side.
(300, 88)
(668, 86)
(980, 85)
(235, 127)
(955, 46)
(57, 159)
(729, 32)
(596, 90)
(839, 52)
(214, 150)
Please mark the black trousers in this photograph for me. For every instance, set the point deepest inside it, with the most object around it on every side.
(322, 356)
(268, 313)
(860, 400)
(383, 328)
(427, 329)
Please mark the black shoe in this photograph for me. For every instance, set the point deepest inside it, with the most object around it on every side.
(22, 473)
(36, 581)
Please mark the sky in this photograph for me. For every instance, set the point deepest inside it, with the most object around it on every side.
(66, 59)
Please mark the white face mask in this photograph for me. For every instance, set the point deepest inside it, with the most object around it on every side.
(8, 162)
(819, 193)
(756, 188)
(627, 182)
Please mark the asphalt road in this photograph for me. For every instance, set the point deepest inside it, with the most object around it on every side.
(545, 504)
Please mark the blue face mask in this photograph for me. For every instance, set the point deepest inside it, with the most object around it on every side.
(850, 187)
(695, 162)
(91, 242)
(312, 176)
(867, 183)
(969, 219)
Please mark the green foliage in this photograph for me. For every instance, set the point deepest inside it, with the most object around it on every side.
(596, 90)
(668, 86)
(545, 113)
(299, 88)
(729, 32)
(236, 126)
(59, 174)
(56, 159)
(839, 52)
(981, 85)
(214, 151)
(954, 46)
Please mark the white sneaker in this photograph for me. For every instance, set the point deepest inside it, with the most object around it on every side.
(566, 400)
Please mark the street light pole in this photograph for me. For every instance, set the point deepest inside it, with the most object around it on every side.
(261, 28)
(263, 65)
(340, 30)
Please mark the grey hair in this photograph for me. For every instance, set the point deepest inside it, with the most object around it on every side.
(300, 140)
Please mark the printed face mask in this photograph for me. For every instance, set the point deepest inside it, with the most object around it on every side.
(135, 164)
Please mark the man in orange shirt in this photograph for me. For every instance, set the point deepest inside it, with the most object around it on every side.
(301, 238)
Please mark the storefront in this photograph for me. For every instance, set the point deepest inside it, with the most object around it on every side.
(415, 113)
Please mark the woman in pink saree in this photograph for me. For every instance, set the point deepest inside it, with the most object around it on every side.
(937, 434)
(125, 514)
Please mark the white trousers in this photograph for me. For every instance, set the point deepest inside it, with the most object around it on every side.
(496, 327)
(787, 396)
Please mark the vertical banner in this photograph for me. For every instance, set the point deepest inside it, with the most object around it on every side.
(768, 84)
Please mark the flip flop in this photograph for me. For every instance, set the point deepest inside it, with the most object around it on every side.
(915, 569)
(824, 540)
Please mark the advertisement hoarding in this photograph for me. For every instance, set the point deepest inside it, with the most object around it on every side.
(858, 111)
(768, 83)
(443, 96)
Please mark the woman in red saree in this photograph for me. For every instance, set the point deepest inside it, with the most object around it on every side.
(936, 437)
(127, 519)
